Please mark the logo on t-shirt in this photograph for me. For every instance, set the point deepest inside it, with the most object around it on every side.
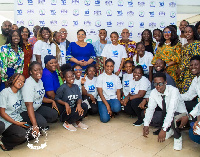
(115, 53)
(132, 91)
(18, 104)
(91, 88)
(41, 91)
(110, 85)
(72, 99)
(126, 83)
(144, 67)
(62, 53)
(49, 51)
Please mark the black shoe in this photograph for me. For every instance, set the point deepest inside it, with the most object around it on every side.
(156, 132)
(138, 123)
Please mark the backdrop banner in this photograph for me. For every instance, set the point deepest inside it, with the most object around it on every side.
(92, 15)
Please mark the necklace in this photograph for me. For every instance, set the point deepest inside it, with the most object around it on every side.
(168, 43)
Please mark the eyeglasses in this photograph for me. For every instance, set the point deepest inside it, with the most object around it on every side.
(72, 76)
(167, 32)
(77, 69)
(24, 32)
(63, 32)
(158, 84)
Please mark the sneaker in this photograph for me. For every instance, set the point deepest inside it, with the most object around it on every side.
(69, 127)
(82, 125)
(169, 133)
(138, 123)
(178, 143)
(156, 132)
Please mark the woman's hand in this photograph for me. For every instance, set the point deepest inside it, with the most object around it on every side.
(35, 131)
(80, 110)
(82, 62)
(93, 99)
(117, 73)
(142, 105)
(22, 124)
(67, 108)
(195, 127)
(54, 105)
(83, 79)
(109, 111)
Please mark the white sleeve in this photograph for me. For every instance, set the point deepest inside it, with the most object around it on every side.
(144, 84)
(150, 58)
(53, 49)
(3, 98)
(119, 85)
(191, 93)
(196, 111)
(105, 51)
(37, 48)
(134, 60)
(124, 54)
(99, 82)
(28, 92)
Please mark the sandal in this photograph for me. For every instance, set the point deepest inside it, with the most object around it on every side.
(2, 146)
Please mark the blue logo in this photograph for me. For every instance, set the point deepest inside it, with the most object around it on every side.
(126, 83)
(141, 4)
(20, 23)
(120, 24)
(49, 50)
(97, 12)
(75, 12)
(98, 23)
(152, 24)
(110, 85)
(161, 13)
(30, 2)
(53, 22)
(172, 4)
(115, 53)
(144, 67)
(90, 32)
(42, 12)
(42, 23)
(87, 12)
(87, 23)
(19, 12)
(30, 11)
(109, 24)
(141, 24)
(120, 3)
(87, 2)
(139, 34)
(109, 13)
(130, 3)
(132, 91)
(172, 23)
(91, 88)
(131, 35)
(63, 2)
(53, 2)
(17, 104)
(30, 23)
(151, 14)
(97, 2)
(141, 13)
(20, 2)
(119, 13)
(131, 24)
(172, 14)
(152, 4)
(63, 11)
(75, 23)
(64, 23)
(130, 13)
(162, 24)
(162, 4)
(53, 12)
(75, 1)
(41, 1)
(109, 2)
(41, 92)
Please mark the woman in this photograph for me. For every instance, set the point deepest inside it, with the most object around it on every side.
(33, 94)
(42, 46)
(80, 52)
(148, 41)
(77, 69)
(10, 108)
(169, 50)
(109, 90)
(189, 50)
(98, 47)
(157, 34)
(140, 88)
(68, 98)
(197, 26)
(11, 57)
(27, 49)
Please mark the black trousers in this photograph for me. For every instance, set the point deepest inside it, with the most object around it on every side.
(132, 107)
(2, 127)
(94, 107)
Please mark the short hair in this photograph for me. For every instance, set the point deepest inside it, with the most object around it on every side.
(185, 21)
(139, 67)
(81, 30)
(103, 30)
(196, 57)
(9, 38)
(21, 30)
(129, 61)
(139, 44)
(32, 65)
(90, 66)
(160, 74)
(109, 60)
(114, 33)
(157, 29)
(75, 65)
(11, 81)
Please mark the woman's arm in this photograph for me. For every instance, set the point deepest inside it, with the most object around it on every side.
(119, 94)
(38, 59)
(31, 114)
(150, 73)
(51, 94)
(104, 60)
(49, 101)
(140, 94)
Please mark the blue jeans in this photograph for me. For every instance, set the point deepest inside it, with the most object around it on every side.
(115, 107)
(195, 138)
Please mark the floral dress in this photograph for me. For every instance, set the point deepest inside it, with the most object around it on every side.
(186, 77)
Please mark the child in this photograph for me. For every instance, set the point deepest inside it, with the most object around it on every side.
(77, 69)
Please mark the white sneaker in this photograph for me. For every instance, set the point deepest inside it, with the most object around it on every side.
(178, 143)
(169, 133)
(69, 127)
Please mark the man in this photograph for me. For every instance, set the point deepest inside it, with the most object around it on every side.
(182, 26)
(129, 45)
(34, 38)
(14, 27)
(5, 29)
(169, 100)
(64, 40)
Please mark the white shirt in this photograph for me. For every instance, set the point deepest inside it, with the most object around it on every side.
(145, 61)
(183, 40)
(142, 84)
(126, 83)
(116, 53)
(62, 55)
(174, 103)
(109, 84)
(192, 92)
(90, 86)
(78, 82)
(42, 48)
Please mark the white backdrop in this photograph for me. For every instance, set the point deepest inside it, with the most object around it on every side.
(92, 15)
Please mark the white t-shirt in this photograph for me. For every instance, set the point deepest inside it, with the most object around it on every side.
(109, 84)
(12, 102)
(142, 84)
(78, 82)
(33, 92)
(116, 53)
(145, 61)
(62, 56)
(90, 86)
(126, 83)
(42, 48)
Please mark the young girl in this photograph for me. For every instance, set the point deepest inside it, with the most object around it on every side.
(78, 72)
(10, 108)
(116, 52)
(147, 40)
(144, 59)
(89, 89)
(108, 87)
(70, 105)
(157, 34)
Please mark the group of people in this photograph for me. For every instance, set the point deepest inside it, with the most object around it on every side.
(47, 76)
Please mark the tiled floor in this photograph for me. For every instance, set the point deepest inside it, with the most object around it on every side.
(117, 138)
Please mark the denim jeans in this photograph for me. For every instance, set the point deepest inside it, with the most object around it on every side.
(114, 105)
(195, 138)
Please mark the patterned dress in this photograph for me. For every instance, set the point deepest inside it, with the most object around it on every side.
(169, 53)
(186, 77)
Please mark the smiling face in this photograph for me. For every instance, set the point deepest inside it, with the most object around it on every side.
(188, 33)
(102, 34)
(195, 67)
(159, 65)
(52, 65)
(15, 38)
(160, 89)
(91, 72)
(36, 72)
(114, 38)
(18, 82)
(125, 34)
(140, 50)
(129, 68)
(77, 72)
(63, 32)
(81, 36)
(146, 35)
(157, 35)
(24, 34)
(182, 26)
(6, 27)
(58, 37)
(45, 34)
(109, 67)
(167, 34)
(137, 74)
(69, 77)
